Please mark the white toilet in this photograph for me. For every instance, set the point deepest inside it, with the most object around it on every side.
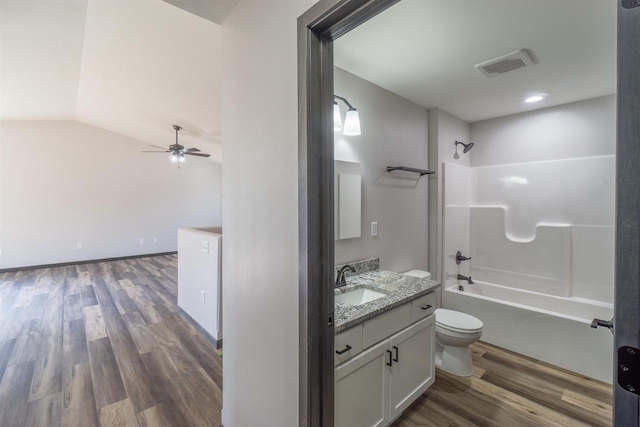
(455, 332)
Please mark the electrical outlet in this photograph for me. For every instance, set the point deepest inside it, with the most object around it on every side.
(202, 296)
(79, 246)
(155, 240)
(374, 229)
(142, 241)
(0, 252)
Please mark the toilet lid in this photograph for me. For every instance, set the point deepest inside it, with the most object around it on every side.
(457, 321)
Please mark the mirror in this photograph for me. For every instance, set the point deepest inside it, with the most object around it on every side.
(348, 200)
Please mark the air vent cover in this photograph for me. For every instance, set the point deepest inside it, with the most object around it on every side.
(506, 63)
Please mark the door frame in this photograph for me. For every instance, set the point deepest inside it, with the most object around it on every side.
(317, 29)
(627, 264)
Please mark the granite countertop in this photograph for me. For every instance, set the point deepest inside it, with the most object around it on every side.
(399, 289)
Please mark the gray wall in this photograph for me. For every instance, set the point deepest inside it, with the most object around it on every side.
(444, 130)
(66, 182)
(260, 211)
(580, 129)
(395, 131)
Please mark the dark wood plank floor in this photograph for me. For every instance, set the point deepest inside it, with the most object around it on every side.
(102, 345)
(510, 390)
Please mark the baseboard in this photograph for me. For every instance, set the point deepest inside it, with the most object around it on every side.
(89, 261)
(214, 342)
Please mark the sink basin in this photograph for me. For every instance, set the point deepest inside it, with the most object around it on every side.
(359, 296)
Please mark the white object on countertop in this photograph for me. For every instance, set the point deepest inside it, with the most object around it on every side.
(420, 274)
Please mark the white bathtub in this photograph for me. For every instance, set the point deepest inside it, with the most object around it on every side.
(553, 329)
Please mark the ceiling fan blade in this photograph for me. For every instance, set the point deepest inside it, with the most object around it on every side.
(155, 146)
(197, 154)
(190, 150)
(155, 151)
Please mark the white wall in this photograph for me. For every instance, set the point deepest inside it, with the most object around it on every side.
(581, 129)
(394, 133)
(260, 210)
(65, 182)
(200, 270)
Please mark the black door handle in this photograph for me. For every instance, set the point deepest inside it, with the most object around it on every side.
(390, 362)
(347, 348)
(395, 359)
(426, 307)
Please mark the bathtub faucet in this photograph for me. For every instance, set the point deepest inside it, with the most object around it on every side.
(467, 279)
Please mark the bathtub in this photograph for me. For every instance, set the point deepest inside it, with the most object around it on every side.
(549, 328)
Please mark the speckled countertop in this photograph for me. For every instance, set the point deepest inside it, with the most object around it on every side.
(399, 289)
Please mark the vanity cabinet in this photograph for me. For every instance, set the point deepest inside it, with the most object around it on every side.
(362, 389)
(374, 387)
(413, 369)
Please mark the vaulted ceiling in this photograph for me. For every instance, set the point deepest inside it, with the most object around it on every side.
(132, 67)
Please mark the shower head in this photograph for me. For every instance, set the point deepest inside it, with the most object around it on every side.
(467, 147)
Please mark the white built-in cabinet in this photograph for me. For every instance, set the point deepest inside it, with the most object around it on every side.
(374, 386)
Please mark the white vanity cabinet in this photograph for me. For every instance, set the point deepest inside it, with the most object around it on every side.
(373, 387)
(362, 389)
(413, 368)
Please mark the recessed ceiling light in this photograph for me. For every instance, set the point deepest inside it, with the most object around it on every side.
(535, 98)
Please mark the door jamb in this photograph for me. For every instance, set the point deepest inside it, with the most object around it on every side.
(317, 29)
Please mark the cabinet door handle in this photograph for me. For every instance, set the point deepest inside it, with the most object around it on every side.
(426, 307)
(395, 359)
(390, 362)
(347, 348)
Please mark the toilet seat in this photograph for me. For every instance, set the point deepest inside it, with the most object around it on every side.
(457, 322)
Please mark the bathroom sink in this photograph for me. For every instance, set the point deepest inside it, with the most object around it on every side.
(359, 296)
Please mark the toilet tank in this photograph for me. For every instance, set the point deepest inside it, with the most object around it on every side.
(421, 274)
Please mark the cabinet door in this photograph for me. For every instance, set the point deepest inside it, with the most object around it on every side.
(413, 369)
(362, 389)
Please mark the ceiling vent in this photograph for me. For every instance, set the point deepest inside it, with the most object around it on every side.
(506, 63)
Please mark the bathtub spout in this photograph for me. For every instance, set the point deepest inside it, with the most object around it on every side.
(465, 278)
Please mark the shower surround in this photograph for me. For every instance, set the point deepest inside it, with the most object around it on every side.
(541, 240)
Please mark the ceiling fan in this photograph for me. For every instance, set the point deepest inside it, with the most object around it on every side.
(178, 151)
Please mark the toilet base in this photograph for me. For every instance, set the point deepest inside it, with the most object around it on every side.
(454, 360)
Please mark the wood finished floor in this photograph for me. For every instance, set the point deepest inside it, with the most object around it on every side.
(510, 390)
(102, 345)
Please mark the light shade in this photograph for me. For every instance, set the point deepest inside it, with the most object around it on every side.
(181, 159)
(337, 119)
(535, 98)
(174, 158)
(352, 123)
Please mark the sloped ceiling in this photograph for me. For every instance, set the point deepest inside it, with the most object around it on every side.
(426, 50)
(132, 67)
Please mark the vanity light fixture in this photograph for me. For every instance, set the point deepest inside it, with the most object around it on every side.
(535, 98)
(351, 121)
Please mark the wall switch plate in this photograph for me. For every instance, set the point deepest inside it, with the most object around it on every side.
(202, 296)
(79, 246)
(0, 252)
(374, 229)
(142, 241)
(204, 246)
(155, 240)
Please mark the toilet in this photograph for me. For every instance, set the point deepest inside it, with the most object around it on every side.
(455, 332)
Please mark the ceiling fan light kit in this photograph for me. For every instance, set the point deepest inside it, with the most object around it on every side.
(178, 152)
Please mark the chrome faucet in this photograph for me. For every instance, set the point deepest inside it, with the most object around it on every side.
(340, 280)
(467, 279)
